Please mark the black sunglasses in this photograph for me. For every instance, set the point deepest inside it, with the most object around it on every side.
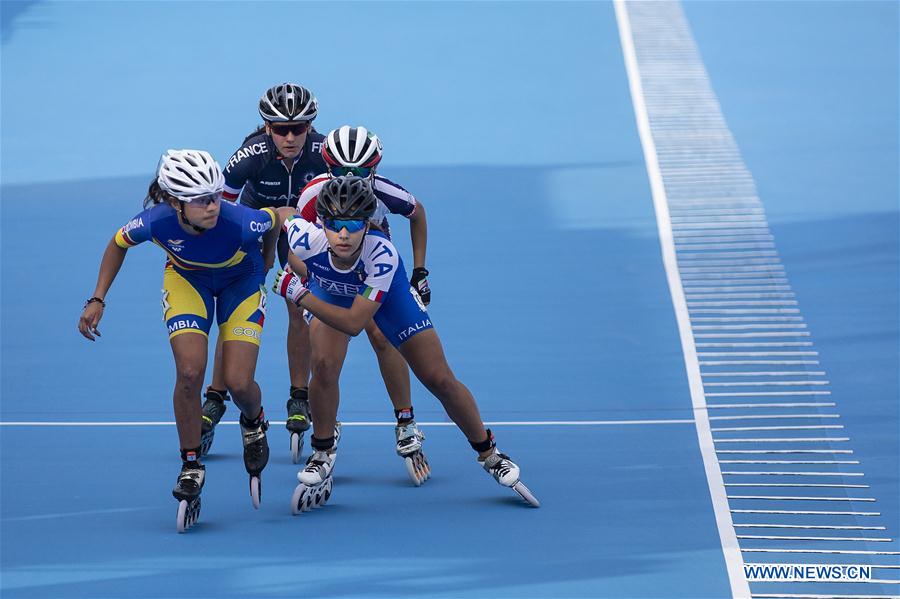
(283, 130)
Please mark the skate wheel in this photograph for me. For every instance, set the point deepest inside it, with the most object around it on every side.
(306, 498)
(181, 519)
(296, 447)
(206, 440)
(301, 500)
(337, 433)
(321, 494)
(526, 494)
(417, 467)
(411, 470)
(255, 491)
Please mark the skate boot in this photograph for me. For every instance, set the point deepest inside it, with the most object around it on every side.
(213, 410)
(298, 420)
(409, 447)
(315, 479)
(503, 469)
(187, 492)
(256, 452)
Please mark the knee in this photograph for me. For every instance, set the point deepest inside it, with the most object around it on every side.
(189, 377)
(379, 343)
(440, 382)
(325, 370)
(239, 386)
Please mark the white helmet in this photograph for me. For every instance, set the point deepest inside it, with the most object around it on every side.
(352, 147)
(189, 174)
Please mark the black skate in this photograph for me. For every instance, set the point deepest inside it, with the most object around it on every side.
(187, 492)
(256, 452)
(298, 421)
(213, 410)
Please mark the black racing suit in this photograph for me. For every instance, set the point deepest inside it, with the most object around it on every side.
(257, 174)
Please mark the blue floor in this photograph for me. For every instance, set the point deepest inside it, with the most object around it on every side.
(548, 292)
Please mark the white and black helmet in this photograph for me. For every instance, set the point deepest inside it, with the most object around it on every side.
(288, 102)
(189, 174)
(352, 147)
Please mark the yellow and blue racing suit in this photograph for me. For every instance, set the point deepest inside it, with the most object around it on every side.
(220, 271)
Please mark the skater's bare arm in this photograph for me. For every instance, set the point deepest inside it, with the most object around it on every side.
(418, 233)
(270, 242)
(297, 265)
(112, 261)
(350, 320)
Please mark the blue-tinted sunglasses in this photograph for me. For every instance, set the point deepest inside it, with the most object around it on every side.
(358, 171)
(336, 224)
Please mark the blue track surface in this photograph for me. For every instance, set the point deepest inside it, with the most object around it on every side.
(549, 293)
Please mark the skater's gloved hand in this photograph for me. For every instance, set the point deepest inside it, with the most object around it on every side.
(288, 285)
(419, 282)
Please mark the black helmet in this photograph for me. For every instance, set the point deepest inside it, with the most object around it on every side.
(347, 198)
(288, 102)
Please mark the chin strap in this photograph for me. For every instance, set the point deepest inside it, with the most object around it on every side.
(189, 223)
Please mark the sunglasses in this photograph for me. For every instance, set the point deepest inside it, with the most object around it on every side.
(336, 224)
(296, 129)
(358, 171)
(206, 200)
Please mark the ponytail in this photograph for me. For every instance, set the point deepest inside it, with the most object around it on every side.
(155, 195)
(257, 131)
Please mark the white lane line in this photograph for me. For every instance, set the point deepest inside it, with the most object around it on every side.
(735, 299)
(759, 354)
(752, 325)
(787, 440)
(388, 424)
(740, 473)
(804, 485)
(830, 551)
(770, 416)
(828, 596)
(784, 498)
(786, 451)
(772, 405)
(778, 428)
(747, 245)
(769, 394)
(759, 362)
(755, 270)
(727, 536)
(809, 526)
(792, 538)
(806, 462)
(738, 304)
(742, 311)
(710, 344)
(748, 319)
(767, 373)
(768, 384)
(752, 335)
(807, 512)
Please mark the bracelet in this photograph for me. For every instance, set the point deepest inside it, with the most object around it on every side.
(302, 295)
(95, 299)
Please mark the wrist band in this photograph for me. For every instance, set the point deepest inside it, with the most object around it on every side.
(95, 299)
